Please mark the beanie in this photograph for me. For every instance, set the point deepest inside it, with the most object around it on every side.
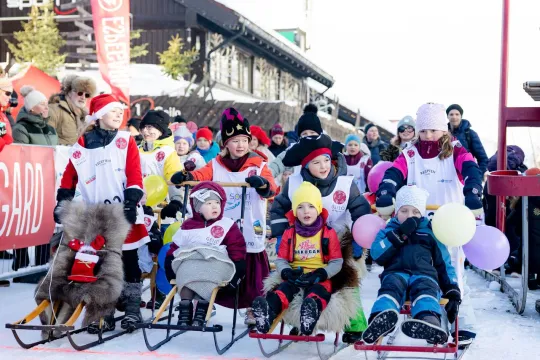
(309, 193)
(276, 130)
(100, 105)
(454, 107)
(431, 116)
(407, 121)
(306, 149)
(203, 195)
(309, 121)
(311, 108)
(183, 133)
(158, 119)
(233, 124)
(413, 196)
(260, 134)
(135, 122)
(205, 133)
(32, 97)
(179, 119)
(367, 127)
(352, 137)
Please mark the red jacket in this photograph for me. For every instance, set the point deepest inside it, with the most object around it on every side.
(330, 244)
(7, 138)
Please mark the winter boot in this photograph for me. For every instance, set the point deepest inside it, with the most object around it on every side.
(200, 313)
(380, 324)
(156, 303)
(185, 314)
(466, 338)
(427, 326)
(249, 320)
(265, 310)
(310, 311)
(108, 325)
(132, 292)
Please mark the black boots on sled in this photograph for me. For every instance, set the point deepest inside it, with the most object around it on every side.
(185, 314)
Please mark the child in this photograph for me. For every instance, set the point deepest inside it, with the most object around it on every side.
(205, 146)
(237, 164)
(358, 160)
(302, 263)
(220, 243)
(260, 142)
(415, 263)
(95, 159)
(446, 170)
(279, 141)
(183, 142)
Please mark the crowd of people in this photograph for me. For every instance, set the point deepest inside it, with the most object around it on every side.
(308, 185)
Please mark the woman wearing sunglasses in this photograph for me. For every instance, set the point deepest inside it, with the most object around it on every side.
(6, 88)
(405, 134)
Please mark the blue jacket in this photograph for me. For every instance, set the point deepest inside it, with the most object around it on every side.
(375, 148)
(470, 141)
(422, 254)
(211, 153)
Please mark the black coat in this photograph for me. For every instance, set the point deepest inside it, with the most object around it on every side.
(470, 141)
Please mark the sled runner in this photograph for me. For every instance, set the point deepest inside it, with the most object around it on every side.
(173, 330)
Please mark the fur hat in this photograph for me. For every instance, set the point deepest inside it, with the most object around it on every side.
(261, 136)
(406, 121)
(233, 124)
(454, 107)
(101, 105)
(309, 193)
(32, 97)
(307, 149)
(413, 196)
(79, 83)
(431, 116)
(158, 119)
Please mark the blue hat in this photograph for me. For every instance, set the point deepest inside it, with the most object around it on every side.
(352, 137)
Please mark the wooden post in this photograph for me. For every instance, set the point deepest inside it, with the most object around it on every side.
(335, 112)
(358, 119)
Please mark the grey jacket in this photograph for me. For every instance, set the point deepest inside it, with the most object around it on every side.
(33, 129)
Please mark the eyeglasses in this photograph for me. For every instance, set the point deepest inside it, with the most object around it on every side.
(405, 128)
(86, 95)
(8, 93)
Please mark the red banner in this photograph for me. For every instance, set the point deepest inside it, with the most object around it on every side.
(27, 196)
(111, 31)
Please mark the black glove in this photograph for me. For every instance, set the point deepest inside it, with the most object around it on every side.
(180, 177)
(409, 226)
(473, 201)
(148, 210)
(311, 278)
(189, 165)
(291, 275)
(3, 129)
(171, 209)
(239, 274)
(156, 240)
(132, 197)
(260, 184)
(385, 204)
(62, 195)
(454, 300)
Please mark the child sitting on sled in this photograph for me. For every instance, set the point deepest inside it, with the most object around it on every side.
(415, 263)
(209, 249)
(302, 263)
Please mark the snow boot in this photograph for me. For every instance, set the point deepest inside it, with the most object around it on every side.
(249, 320)
(108, 325)
(185, 314)
(466, 338)
(132, 292)
(310, 311)
(265, 311)
(427, 326)
(380, 324)
(156, 303)
(200, 313)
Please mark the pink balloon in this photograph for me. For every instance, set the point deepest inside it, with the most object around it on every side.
(365, 229)
(488, 249)
(376, 175)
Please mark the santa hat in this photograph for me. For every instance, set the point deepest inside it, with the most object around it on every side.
(259, 133)
(307, 149)
(101, 105)
(431, 116)
(414, 196)
(233, 124)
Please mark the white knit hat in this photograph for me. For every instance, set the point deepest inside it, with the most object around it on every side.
(431, 116)
(413, 196)
(32, 97)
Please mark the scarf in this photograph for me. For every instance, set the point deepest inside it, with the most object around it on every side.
(311, 230)
(353, 159)
(210, 153)
(428, 149)
(234, 165)
(372, 144)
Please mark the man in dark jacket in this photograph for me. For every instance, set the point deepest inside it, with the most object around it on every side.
(461, 130)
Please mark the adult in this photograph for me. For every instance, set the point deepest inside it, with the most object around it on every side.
(461, 130)
(6, 88)
(279, 142)
(405, 134)
(374, 142)
(31, 126)
(67, 116)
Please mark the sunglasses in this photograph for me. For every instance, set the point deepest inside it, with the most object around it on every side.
(405, 128)
(86, 95)
(8, 93)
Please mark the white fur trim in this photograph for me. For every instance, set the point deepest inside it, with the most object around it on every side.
(87, 257)
(137, 244)
(104, 110)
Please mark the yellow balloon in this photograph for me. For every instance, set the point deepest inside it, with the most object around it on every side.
(156, 189)
(169, 233)
(453, 224)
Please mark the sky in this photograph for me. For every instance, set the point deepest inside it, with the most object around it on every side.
(388, 57)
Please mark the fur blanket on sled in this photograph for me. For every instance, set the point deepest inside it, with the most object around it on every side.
(344, 302)
(84, 222)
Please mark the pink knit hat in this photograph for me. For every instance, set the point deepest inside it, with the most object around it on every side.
(431, 116)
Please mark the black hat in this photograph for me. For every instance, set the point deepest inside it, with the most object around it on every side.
(311, 108)
(135, 122)
(367, 127)
(158, 119)
(306, 149)
(233, 124)
(179, 119)
(454, 107)
(309, 121)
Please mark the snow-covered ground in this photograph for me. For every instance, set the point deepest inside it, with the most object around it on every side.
(502, 334)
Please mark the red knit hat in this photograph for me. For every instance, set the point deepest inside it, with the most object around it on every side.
(101, 105)
(205, 133)
(276, 130)
(259, 133)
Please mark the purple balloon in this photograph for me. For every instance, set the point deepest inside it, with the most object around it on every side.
(488, 249)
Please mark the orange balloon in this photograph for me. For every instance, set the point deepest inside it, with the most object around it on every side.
(532, 171)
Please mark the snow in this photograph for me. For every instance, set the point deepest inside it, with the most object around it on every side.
(502, 334)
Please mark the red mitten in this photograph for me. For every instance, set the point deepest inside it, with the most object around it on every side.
(98, 242)
(75, 244)
(83, 268)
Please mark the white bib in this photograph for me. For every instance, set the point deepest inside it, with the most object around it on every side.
(152, 163)
(212, 235)
(335, 203)
(358, 172)
(254, 224)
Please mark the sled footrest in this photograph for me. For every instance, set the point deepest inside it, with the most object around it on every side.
(211, 329)
(440, 349)
(300, 338)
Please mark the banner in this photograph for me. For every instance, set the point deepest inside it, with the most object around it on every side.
(111, 31)
(27, 196)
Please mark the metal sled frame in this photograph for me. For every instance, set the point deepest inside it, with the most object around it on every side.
(285, 340)
(67, 329)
